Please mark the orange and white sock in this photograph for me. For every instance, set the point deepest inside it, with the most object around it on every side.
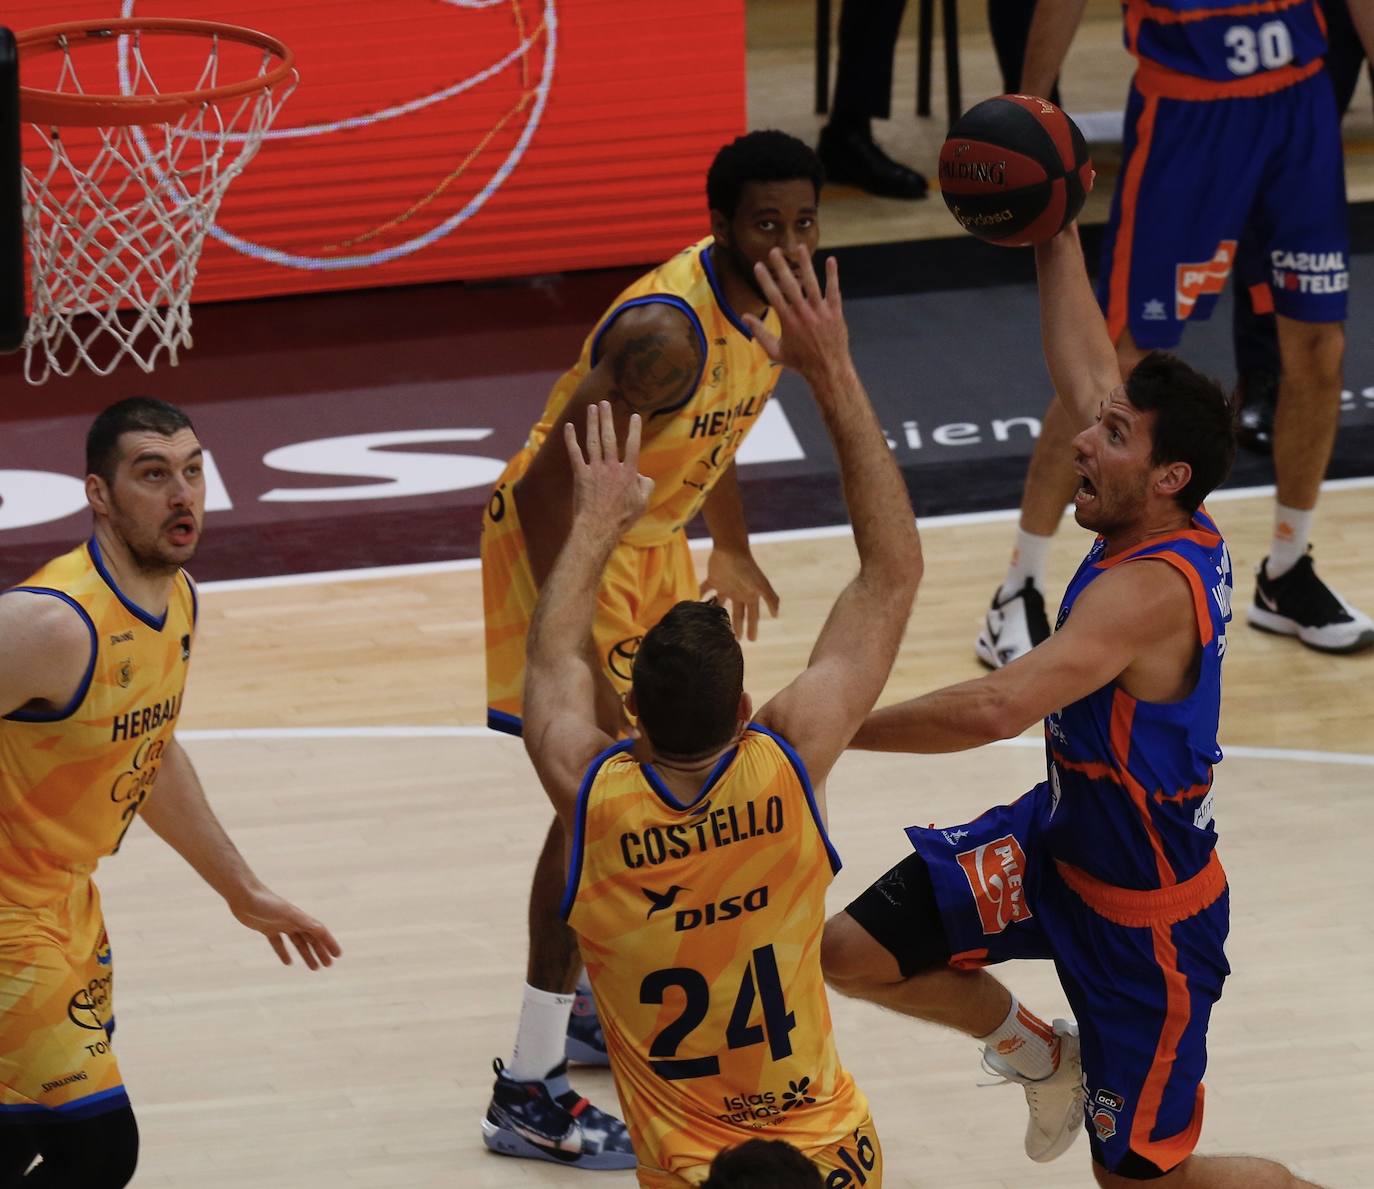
(1025, 1042)
(1028, 560)
(1291, 528)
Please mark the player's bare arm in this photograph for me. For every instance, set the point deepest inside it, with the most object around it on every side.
(561, 733)
(1078, 351)
(1136, 626)
(179, 814)
(650, 361)
(819, 711)
(1362, 17)
(733, 576)
(1047, 45)
(45, 649)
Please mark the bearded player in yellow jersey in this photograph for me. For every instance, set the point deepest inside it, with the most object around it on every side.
(699, 856)
(94, 650)
(675, 348)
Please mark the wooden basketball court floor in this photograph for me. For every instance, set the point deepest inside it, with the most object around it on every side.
(335, 722)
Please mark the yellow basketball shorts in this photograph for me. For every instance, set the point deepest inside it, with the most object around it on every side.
(854, 1162)
(639, 586)
(57, 1012)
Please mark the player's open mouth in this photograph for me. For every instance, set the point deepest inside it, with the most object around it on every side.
(1086, 491)
(183, 531)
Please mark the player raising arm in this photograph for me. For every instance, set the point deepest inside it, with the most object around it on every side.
(1109, 867)
(650, 873)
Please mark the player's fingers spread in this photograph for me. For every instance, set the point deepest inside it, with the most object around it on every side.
(810, 284)
(302, 944)
(832, 282)
(751, 619)
(770, 596)
(632, 441)
(280, 947)
(764, 275)
(737, 617)
(593, 435)
(574, 448)
(608, 443)
(787, 281)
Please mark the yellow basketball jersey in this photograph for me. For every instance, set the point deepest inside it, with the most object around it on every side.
(690, 445)
(72, 780)
(701, 929)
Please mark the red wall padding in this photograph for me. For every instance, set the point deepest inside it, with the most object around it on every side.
(621, 104)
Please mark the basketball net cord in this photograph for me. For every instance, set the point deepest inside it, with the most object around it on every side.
(121, 222)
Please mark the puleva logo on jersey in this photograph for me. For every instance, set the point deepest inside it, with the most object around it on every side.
(996, 873)
(1197, 280)
(1309, 272)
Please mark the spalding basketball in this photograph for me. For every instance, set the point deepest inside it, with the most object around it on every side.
(1015, 170)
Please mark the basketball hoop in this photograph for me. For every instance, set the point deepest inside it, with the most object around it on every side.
(129, 176)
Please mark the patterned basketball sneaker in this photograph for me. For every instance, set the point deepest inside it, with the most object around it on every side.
(546, 1119)
(1014, 625)
(586, 1044)
(1055, 1102)
(1298, 603)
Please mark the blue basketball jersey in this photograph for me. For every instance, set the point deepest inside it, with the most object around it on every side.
(1131, 781)
(1255, 47)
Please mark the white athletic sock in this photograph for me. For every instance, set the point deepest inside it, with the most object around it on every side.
(543, 1033)
(1027, 561)
(1291, 528)
(1025, 1042)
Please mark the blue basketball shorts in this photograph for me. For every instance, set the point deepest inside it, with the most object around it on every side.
(1141, 970)
(1211, 186)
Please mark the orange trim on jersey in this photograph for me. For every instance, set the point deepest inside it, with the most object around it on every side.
(1123, 715)
(1201, 605)
(1118, 297)
(969, 959)
(1262, 298)
(1170, 1152)
(1198, 536)
(1173, 16)
(1092, 769)
(1159, 82)
(1189, 794)
(1137, 908)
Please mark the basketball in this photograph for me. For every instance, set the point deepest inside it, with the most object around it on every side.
(1014, 170)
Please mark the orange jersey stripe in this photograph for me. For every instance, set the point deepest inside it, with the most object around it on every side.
(1118, 299)
(1168, 1152)
(1123, 714)
(1159, 82)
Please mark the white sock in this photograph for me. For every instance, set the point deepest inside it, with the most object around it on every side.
(1027, 561)
(1025, 1042)
(543, 1032)
(1291, 528)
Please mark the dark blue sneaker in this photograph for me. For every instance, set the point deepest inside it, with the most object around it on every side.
(546, 1119)
(586, 1044)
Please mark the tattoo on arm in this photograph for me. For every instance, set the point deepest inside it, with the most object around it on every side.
(647, 378)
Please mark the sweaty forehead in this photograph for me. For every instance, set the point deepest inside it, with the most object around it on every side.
(795, 194)
(137, 442)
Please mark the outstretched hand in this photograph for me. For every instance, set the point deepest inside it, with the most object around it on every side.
(279, 919)
(814, 335)
(608, 491)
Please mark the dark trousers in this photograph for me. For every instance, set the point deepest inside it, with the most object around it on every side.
(1256, 336)
(868, 44)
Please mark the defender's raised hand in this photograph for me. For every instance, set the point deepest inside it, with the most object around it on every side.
(814, 338)
(609, 493)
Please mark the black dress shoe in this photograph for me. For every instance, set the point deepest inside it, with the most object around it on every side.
(1258, 393)
(850, 156)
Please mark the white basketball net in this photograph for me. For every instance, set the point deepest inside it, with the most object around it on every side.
(119, 217)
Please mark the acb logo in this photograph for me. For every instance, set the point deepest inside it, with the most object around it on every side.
(620, 660)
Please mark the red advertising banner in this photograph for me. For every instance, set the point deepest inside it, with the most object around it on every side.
(461, 139)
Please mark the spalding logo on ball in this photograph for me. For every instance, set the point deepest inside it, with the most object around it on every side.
(1015, 170)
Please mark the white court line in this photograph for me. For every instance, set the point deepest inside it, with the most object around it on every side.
(794, 534)
(265, 734)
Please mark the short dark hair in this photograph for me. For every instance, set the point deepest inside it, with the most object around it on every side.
(1195, 422)
(762, 1164)
(688, 677)
(767, 156)
(136, 413)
